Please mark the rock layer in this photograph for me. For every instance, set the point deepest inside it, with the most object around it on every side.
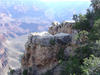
(3, 56)
(65, 27)
(42, 49)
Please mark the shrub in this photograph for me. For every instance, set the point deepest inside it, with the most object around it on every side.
(12, 71)
(83, 52)
(91, 66)
(82, 37)
(82, 23)
(52, 41)
(72, 67)
(60, 55)
(95, 32)
(25, 72)
(30, 68)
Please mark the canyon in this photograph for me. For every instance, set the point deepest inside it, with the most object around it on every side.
(42, 50)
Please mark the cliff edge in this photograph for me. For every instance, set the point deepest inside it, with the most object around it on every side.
(44, 50)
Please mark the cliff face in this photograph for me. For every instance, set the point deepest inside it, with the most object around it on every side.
(42, 49)
(3, 56)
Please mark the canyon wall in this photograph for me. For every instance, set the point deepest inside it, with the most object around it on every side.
(44, 50)
(3, 56)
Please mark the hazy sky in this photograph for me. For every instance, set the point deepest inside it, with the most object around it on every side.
(10, 2)
(61, 0)
(43, 12)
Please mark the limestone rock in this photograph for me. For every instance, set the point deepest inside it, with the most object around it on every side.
(42, 49)
(64, 27)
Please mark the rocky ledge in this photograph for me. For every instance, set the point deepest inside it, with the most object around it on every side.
(65, 27)
(42, 50)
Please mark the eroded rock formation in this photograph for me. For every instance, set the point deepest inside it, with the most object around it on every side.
(65, 27)
(42, 49)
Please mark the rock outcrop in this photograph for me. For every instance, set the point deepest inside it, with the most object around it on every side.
(41, 51)
(65, 27)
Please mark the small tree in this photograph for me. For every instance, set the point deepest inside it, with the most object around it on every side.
(72, 67)
(75, 17)
(82, 23)
(95, 32)
(91, 66)
(95, 4)
(25, 72)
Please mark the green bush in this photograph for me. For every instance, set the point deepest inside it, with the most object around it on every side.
(72, 67)
(60, 55)
(25, 72)
(12, 71)
(83, 52)
(95, 32)
(88, 43)
(30, 68)
(82, 23)
(52, 41)
(82, 37)
(91, 66)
